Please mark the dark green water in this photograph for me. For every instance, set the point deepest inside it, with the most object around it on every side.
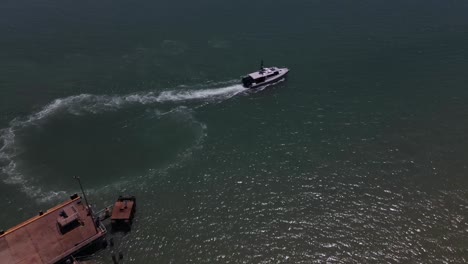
(359, 157)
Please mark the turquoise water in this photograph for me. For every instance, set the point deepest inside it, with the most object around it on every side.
(358, 157)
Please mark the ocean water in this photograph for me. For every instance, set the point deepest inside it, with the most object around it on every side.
(360, 156)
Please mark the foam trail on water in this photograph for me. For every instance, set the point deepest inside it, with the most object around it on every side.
(92, 104)
(226, 93)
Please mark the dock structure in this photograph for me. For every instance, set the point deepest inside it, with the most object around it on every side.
(52, 236)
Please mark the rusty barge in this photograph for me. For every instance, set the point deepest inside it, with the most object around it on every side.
(53, 236)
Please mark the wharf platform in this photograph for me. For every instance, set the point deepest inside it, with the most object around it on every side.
(53, 236)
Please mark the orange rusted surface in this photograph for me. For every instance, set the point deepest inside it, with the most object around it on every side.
(123, 210)
(50, 237)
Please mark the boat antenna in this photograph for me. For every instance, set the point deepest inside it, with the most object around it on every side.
(77, 178)
(261, 64)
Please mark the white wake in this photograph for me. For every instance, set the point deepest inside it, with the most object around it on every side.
(93, 104)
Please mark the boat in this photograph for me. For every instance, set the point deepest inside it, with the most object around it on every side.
(123, 213)
(264, 76)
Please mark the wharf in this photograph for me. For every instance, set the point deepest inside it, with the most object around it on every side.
(52, 236)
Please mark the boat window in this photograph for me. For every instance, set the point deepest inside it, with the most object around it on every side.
(259, 80)
(273, 74)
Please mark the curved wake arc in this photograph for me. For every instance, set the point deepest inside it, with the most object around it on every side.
(92, 104)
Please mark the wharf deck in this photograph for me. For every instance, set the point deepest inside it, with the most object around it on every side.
(51, 236)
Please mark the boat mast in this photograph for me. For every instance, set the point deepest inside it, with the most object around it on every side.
(77, 178)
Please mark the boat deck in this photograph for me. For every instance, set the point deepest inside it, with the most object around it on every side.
(52, 236)
(123, 213)
(123, 210)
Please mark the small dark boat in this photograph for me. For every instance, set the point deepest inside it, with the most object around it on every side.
(123, 213)
(264, 76)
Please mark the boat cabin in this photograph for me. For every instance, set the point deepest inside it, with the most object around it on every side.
(260, 76)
